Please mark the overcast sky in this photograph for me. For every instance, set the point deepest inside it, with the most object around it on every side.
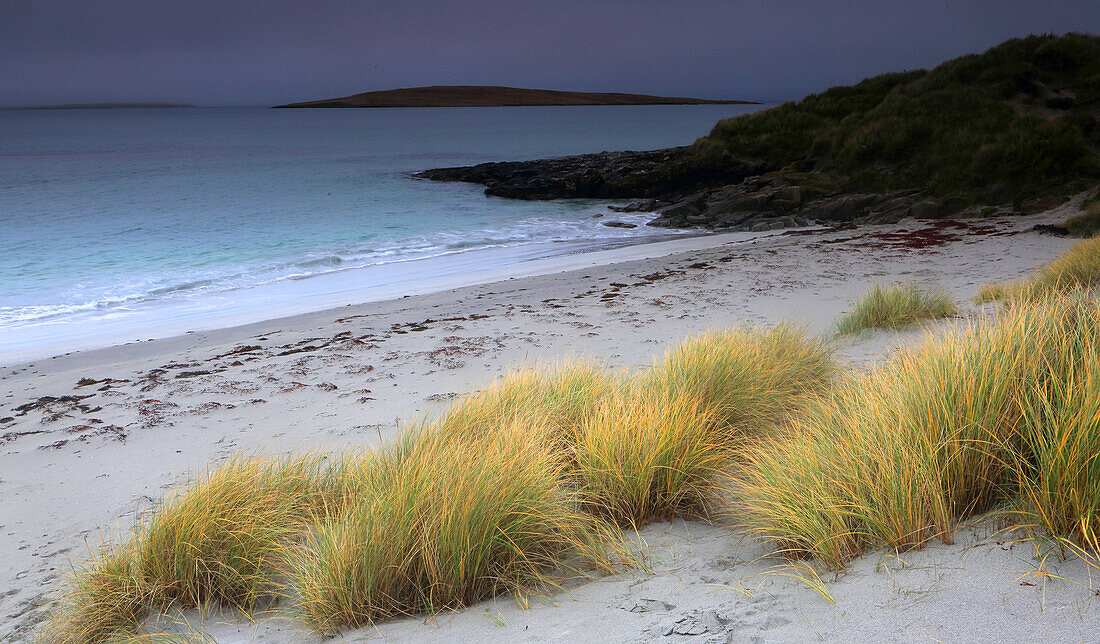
(224, 52)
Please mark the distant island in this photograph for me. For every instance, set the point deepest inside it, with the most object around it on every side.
(97, 106)
(489, 96)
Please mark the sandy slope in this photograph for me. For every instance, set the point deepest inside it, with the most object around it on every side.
(77, 471)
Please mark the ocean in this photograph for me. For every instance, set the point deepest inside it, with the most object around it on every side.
(129, 224)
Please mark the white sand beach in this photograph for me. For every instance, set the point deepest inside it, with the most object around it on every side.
(90, 439)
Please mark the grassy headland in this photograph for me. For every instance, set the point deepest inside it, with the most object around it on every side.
(1011, 130)
(1002, 126)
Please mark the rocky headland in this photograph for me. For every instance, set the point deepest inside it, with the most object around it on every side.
(1010, 131)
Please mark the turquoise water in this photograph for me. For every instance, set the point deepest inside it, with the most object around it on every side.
(117, 219)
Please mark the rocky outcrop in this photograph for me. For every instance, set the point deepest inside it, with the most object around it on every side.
(607, 175)
(769, 203)
(681, 195)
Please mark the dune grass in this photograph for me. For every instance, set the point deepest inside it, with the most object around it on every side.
(998, 413)
(217, 542)
(895, 307)
(446, 523)
(528, 480)
(510, 487)
(1086, 224)
(1076, 268)
(644, 456)
(558, 396)
(750, 378)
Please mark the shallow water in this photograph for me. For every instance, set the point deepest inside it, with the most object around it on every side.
(120, 220)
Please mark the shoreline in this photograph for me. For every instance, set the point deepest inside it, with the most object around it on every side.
(343, 288)
(83, 459)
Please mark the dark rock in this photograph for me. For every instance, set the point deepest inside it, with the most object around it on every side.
(619, 224)
(645, 205)
(925, 210)
(607, 175)
(1049, 229)
(678, 210)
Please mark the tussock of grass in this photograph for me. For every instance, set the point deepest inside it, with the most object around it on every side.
(748, 378)
(220, 541)
(1059, 481)
(646, 456)
(1077, 268)
(558, 397)
(896, 307)
(106, 599)
(899, 455)
(1086, 224)
(447, 523)
(991, 293)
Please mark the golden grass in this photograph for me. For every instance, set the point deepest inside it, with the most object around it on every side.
(645, 456)
(1086, 224)
(895, 307)
(748, 378)
(221, 541)
(447, 523)
(106, 599)
(506, 489)
(899, 455)
(558, 397)
(1077, 268)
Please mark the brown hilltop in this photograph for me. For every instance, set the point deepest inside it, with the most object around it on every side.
(485, 96)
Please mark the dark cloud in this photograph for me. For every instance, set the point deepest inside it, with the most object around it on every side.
(226, 52)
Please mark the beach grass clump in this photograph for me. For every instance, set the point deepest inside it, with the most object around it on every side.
(447, 523)
(896, 307)
(747, 378)
(644, 456)
(992, 292)
(898, 456)
(1075, 269)
(513, 486)
(1057, 471)
(1086, 224)
(106, 599)
(556, 396)
(221, 541)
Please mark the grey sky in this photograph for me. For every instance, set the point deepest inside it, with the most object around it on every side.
(217, 52)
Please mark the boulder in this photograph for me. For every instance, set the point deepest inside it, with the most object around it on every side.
(925, 210)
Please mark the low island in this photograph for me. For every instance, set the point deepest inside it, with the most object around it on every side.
(495, 96)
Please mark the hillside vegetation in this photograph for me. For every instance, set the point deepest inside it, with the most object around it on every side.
(1000, 126)
(1012, 130)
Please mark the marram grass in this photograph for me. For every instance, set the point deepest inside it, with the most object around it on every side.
(748, 378)
(895, 307)
(558, 397)
(505, 490)
(1077, 268)
(999, 413)
(447, 523)
(644, 456)
(220, 541)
